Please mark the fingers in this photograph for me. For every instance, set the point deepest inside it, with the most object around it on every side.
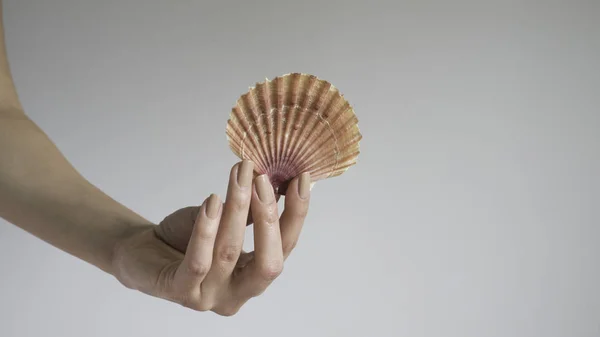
(268, 254)
(250, 221)
(296, 208)
(203, 279)
(230, 238)
(199, 255)
(267, 235)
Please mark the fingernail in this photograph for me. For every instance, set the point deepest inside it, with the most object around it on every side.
(304, 185)
(213, 205)
(264, 189)
(244, 176)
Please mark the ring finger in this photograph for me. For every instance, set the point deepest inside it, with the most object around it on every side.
(268, 254)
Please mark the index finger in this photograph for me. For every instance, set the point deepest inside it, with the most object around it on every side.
(197, 260)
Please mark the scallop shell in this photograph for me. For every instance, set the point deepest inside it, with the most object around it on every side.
(293, 124)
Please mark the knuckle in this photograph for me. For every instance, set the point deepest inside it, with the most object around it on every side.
(270, 217)
(198, 268)
(270, 271)
(229, 311)
(290, 245)
(239, 203)
(206, 235)
(203, 306)
(196, 305)
(229, 253)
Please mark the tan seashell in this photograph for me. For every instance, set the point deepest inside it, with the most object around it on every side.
(293, 124)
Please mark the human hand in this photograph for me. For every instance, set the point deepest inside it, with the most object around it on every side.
(194, 257)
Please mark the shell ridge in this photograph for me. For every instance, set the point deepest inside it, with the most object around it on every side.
(310, 142)
(275, 89)
(289, 119)
(247, 135)
(347, 146)
(307, 167)
(263, 123)
(271, 116)
(258, 123)
(304, 109)
(250, 101)
(295, 123)
(292, 119)
(321, 139)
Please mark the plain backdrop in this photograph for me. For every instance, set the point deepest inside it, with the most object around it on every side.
(473, 210)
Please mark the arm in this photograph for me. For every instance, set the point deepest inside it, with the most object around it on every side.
(193, 257)
(42, 193)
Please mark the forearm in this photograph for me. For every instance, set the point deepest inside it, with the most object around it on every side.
(43, 194)
(9, 100)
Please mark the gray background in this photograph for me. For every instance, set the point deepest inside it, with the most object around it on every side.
(472, 211)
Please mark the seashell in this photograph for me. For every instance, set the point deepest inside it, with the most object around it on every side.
(293, 124)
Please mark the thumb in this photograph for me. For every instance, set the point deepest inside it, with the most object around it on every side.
(175, 229)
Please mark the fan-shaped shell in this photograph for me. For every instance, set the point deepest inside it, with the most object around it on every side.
(293, 124)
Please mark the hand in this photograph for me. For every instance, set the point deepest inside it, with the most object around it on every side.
(194, 256)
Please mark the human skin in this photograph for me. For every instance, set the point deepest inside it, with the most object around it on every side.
(193, 257)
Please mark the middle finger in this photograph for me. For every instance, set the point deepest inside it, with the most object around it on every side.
(268, 252)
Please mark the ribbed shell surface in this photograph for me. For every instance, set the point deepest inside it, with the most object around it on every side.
(293, 124)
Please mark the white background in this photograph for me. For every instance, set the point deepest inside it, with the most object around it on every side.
(473, 210)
